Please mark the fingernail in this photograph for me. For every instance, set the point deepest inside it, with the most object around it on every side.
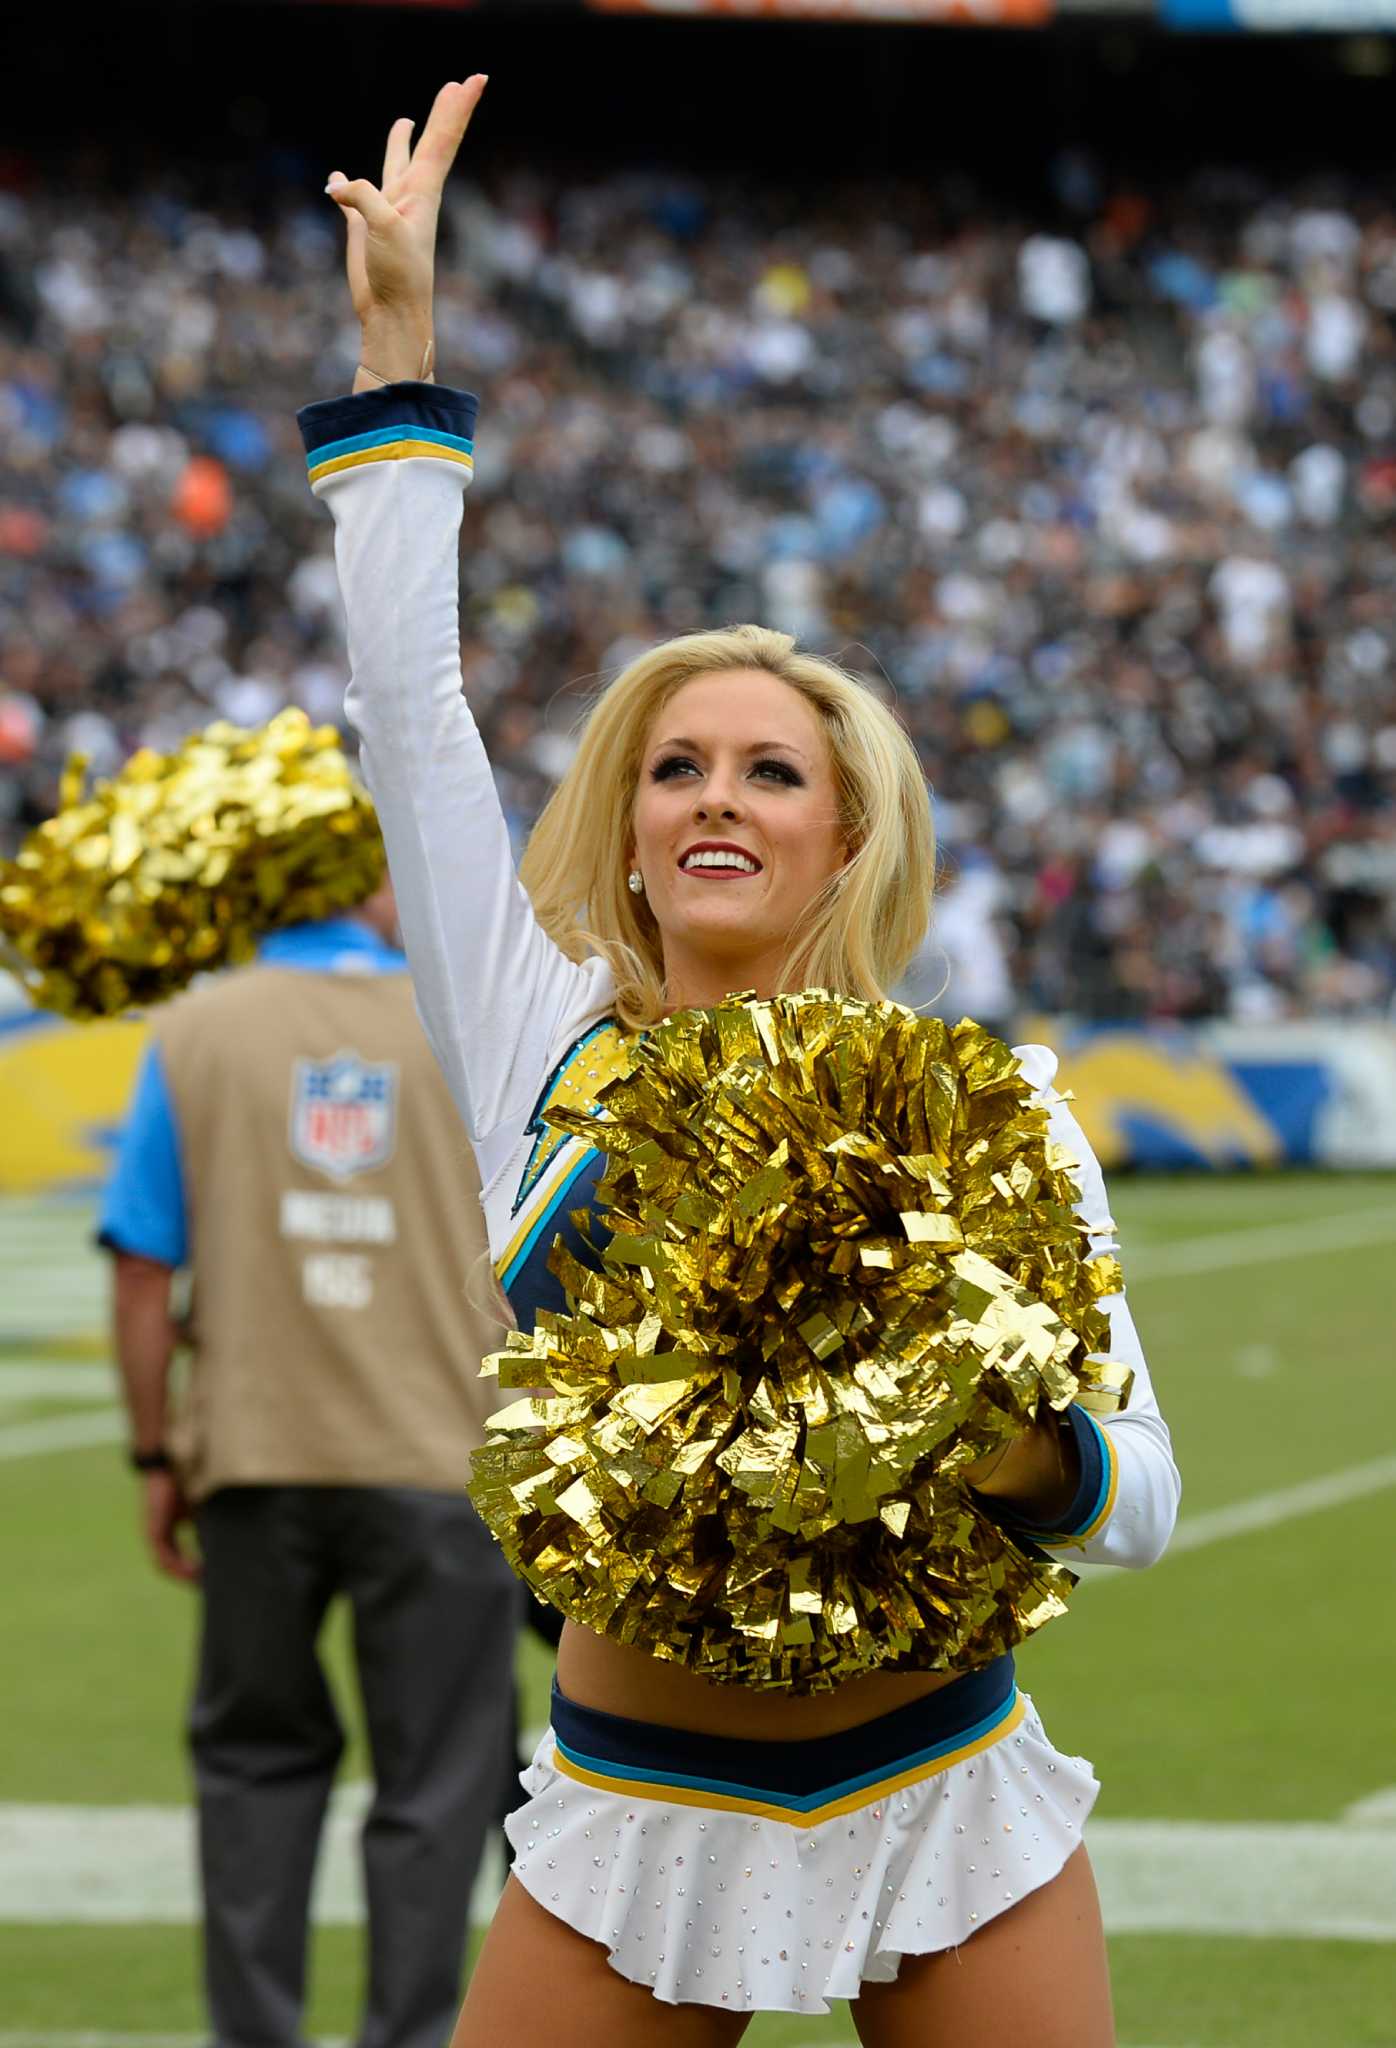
(336, 178)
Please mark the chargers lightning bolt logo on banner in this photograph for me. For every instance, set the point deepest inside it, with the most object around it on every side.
(343, 1114)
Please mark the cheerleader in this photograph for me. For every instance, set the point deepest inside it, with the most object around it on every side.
(739, 816)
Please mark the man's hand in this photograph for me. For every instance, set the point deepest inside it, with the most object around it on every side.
(391, 253)
(167, 1512)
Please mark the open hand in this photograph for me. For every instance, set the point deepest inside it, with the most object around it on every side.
(392, 231)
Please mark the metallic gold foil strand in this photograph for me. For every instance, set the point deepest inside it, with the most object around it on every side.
(180, 863)
(841, 1264)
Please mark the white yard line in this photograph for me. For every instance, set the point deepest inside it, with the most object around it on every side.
(1275, 1879)
(129, 1865)
(59, 1323)
(1262, 1511)
(35, 1379)
(1217, 1251)
(36, 2037)
(68, 1295)
(1287, 1504)
(61, 1433)
(137, 1866)
(1377, 1810)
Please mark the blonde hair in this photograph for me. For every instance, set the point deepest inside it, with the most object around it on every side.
(862, 929)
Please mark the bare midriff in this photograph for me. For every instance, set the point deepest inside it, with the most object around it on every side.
(616, 1679)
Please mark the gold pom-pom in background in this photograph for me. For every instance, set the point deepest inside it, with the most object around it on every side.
(180, 863)
(841, 1264)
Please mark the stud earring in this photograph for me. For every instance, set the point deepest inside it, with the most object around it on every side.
(636, 882)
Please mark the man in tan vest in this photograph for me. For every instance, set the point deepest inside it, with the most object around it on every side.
(292, 1144)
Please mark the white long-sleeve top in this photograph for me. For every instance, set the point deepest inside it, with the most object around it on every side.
(501, 1004)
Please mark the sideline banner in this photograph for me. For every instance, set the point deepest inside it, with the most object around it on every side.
(1231, 1095)
(971, 13)
(1281, 16)
(63, 1093)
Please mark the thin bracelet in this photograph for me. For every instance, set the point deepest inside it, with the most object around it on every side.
(426, 375)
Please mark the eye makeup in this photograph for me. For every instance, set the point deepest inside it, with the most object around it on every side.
(665, 770)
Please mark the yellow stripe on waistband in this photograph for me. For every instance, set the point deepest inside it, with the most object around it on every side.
(723, 1802)
(392, 451)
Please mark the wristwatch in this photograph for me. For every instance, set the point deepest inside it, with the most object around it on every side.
(158, 1460)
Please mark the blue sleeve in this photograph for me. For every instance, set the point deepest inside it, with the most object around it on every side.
(143, 1206)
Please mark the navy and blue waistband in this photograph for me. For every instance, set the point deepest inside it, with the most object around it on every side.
(801, 1781)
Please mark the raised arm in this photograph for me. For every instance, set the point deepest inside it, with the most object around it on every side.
(392, 463)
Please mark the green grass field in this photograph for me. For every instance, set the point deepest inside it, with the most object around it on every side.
(1236, 1700)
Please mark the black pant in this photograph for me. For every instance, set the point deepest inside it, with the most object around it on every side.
(435, 1610)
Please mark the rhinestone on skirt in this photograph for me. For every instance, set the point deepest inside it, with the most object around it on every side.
(726, 1909)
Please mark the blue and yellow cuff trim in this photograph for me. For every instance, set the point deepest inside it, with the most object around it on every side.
(392, 424)
(1093, 1502)
(388, 444)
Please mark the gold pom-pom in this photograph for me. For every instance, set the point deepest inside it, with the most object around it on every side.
(182, 861)
(841, 1264)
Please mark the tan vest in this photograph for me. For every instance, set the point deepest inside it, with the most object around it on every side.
(336, 1237)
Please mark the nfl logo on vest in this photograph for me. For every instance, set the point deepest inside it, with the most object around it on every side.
(343, 1114)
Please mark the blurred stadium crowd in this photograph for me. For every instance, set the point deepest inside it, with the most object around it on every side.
(1108, 506)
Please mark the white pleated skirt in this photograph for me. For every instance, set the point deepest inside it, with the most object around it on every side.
(774, 1877)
